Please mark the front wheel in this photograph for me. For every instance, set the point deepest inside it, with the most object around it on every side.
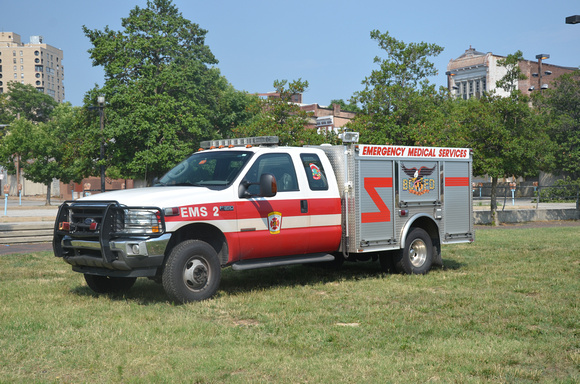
(417, 255)
(106, 284)
(192, 272)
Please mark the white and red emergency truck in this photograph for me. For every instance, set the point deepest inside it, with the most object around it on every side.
(249, 203)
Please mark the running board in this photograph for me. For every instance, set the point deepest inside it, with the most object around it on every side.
(244, 265)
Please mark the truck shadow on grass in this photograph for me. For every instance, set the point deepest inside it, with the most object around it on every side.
(234, 283)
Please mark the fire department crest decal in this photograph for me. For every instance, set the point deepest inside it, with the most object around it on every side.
(274, 222)
(418, 184)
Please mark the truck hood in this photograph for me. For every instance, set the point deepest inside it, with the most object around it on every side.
(162, 197)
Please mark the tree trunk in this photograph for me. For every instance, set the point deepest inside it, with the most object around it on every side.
(494, 218)
(48, 192)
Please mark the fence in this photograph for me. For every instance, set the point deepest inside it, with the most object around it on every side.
(536, 193)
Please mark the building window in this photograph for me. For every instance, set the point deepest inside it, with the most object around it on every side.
(37, 75)
(38, 68)
(21, 53)
(37, 82)
(16, 76)
(21, 61)
(13, 53)
(22, 76)
(36, 53)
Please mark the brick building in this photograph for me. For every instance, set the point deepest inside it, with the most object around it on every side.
(475, 72)
(330, 118)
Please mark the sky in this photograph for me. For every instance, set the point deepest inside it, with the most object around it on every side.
(326, 43)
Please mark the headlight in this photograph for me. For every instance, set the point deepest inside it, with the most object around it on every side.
(141, 221)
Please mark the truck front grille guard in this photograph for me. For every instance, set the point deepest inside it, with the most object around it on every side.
(108, 215)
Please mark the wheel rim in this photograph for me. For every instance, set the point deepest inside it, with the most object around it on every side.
(418, 253)
(195, 274)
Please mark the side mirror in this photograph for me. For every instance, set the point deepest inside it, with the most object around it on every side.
(268, 187)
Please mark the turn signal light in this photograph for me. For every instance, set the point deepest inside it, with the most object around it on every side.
(64, 226)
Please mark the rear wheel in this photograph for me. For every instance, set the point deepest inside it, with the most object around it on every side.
(106, 284)
(417, 255)
(192, 272)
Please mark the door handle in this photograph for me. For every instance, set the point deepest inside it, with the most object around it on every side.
(304, 206)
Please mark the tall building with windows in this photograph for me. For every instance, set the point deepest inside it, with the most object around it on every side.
(473, 73)
(35, 63)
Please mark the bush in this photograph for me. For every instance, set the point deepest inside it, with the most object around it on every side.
(563, 190)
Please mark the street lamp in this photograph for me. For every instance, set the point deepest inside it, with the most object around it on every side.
(101, 102)
(540, 57)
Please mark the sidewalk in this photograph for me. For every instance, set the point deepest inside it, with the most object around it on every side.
(29, 209)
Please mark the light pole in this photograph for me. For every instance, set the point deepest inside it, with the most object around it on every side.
(541, 87)
(101, 102)
(575, 19)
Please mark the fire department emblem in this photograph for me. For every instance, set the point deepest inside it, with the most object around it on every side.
(417, 184)
(274, 222)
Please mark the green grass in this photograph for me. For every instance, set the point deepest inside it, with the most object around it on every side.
(504, 310)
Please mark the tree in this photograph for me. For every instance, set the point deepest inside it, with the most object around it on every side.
(279, 116)
(397, 94)
(28, 103)
(505, 133)
(561, 107)
(163, 95)
(41, 148)
(351, 106)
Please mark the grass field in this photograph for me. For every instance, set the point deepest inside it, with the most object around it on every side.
(503, 310)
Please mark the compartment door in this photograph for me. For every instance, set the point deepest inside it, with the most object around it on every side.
(457, 198)
(375, 202)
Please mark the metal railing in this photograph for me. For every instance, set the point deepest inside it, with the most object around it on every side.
(536, 193)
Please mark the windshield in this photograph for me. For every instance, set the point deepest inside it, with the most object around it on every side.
(216, 169)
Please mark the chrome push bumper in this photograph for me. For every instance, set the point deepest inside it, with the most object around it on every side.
(128, 257)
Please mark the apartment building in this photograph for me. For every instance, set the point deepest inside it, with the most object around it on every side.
(34, 63)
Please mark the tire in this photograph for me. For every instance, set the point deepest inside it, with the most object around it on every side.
(106, 284)
(416, 257)
(192, 272)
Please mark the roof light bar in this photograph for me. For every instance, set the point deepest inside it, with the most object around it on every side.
(240, 142)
